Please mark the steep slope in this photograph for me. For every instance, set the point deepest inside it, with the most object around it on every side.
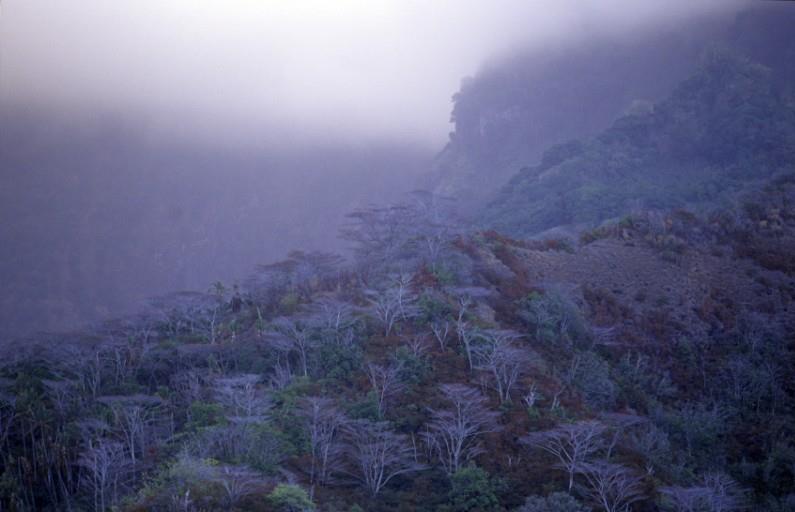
(666, 338)
(720, 132)
(517, 106)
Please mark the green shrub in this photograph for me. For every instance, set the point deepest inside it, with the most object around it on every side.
(205, 414)
(472, 490)
(290, 498)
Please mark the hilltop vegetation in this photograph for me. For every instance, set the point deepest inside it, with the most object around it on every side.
(722, 131)
(439, 371)
(643, 365)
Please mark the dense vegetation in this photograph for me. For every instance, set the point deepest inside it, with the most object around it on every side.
(645, 364)
(436, 372)
(515, 107)
(724, 130)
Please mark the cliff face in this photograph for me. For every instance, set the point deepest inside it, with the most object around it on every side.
(721, 132)
(507, 115)
(514, 108)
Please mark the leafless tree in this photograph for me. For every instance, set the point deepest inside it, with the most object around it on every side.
(282, 376)
(466, 332)
(324, 423)
(453, 433)
(135, 418)
(393, 303)
(417, 344)
(334, 320)
(618, 425)
(571, 443)
(499, 357)
(301, 273)
(717, 492)
(64, 395)
(441, 331)
(434, 225)
(191, 313)
(378, 454)
(684, 499)
(241, 395)
(7, 416)
(385, 382)
(531, 396)
(725, 494)
(380, 235)
(612, 486)
(237, 482)
(104, 465)
(299, 338)
(91, 373)
(188, 386)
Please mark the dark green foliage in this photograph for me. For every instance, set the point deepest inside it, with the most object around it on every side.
(555, 502)
(414, 369)
(553, 318)
(590, 376)
(473, 491)
(290, 498)
(203, 414)
(365, 409)
(337, 361)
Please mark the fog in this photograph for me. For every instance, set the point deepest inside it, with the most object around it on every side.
(150, 146)
(239, 70)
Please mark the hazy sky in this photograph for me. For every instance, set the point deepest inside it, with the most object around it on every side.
(353, 68)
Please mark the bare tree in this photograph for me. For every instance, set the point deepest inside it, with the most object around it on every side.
(394, 303)
(571, 443)
(499, 357)
(7, 416)
(104, 470)
(299, 338)
(91, 373)
(684, 499)
(191, 313)
(378, 454)
(531, 396)
(417, 344)
(612, 486)
(385, 382)
(381, 236)
(466, 333)
(301, 273)
(619, 424)
(282, 376)
(324, 423)
(333, 319)
(453, 433)
(237, 482)
(188, 386)
(243, 397)
(434, 225)
(716, 493)
(441, 331)
(135, 417)
(724, 493)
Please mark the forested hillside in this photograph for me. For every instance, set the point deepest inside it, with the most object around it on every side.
(637, 357)
(515, 108)
(647, 365)
(724, 130)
